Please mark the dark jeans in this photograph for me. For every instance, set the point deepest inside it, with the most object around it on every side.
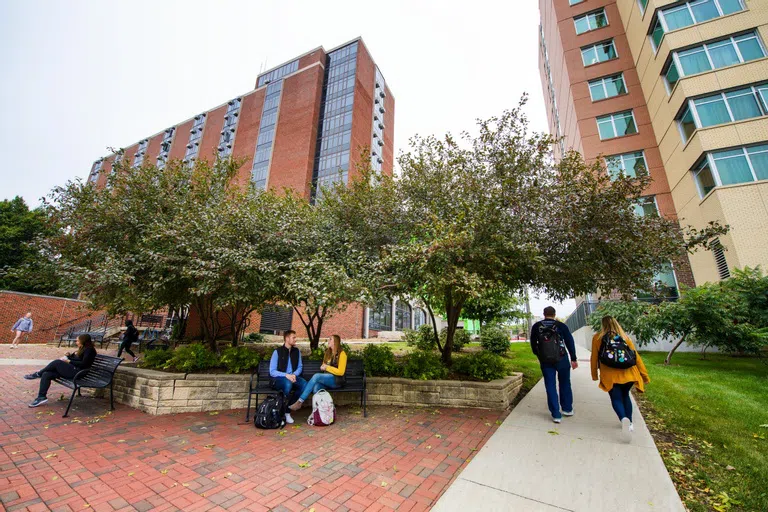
(286, 386)
(57, 368)
(125, 345)
(620, 400)
(554, 374)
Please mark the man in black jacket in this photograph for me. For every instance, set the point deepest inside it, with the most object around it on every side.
(285, 368)
(130, 337)
(68, 366)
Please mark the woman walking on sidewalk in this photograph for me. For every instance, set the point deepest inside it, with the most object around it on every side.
(620, 367)
(22, 325)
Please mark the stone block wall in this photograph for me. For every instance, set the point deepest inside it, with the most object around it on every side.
(157, 392)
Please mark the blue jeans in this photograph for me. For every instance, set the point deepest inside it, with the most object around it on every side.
(559, 372)
(284, 385)
(620, 400)
(316, 383)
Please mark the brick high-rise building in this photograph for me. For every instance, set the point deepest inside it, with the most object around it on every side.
(677, 89)
(303, 126)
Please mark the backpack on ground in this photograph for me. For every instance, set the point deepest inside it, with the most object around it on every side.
(550, 346)
(323, 410)
(271, 412)
(615, 352)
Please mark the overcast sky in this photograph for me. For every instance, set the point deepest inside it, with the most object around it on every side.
(80, 76)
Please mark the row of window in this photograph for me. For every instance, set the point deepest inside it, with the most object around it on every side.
(551, 90)
(263, 151)
(731, 166)
(689, 13)
(95, 170)
(165, 147)
(195, 134)
(141, 151)
(377, 135)
(278, 73)
(380, 316)
(227, 138)
(723, 107)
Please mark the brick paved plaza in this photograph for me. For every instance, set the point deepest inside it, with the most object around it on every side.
(395, 459)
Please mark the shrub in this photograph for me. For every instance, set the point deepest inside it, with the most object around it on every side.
(379, 361)
(192, 358)
(239, 359)
(256, 337)
(460, 338)
(424, 365)
(481, 365)
(156, 358)
(494, 339)
(422, 339)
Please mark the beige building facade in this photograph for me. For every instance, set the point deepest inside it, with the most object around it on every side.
(703, 69)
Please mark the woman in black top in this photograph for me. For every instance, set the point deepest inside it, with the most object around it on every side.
(130, 337)
(66, 367)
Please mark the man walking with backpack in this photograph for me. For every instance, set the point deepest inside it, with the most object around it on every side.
(552, 343)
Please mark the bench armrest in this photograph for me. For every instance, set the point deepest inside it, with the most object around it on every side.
(79, 375)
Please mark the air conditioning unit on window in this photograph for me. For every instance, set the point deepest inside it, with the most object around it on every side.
(375, 135)
(381, 126)
(379, 160)
(381, 93)
(381, 142)
(376, 101)
(381, 109)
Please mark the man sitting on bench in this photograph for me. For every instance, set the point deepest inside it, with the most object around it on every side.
(66, 367)
(285, 369)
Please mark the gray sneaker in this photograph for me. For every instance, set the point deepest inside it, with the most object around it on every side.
(33, 376)
(556, 420)
(39, 401)
(567, 413)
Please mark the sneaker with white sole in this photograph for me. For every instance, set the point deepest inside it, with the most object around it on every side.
(631, 427)
(288, 418)
(39, 401)
(626, 429)
(556, 420)
(567, 413)
(33, 376)
(136, 359)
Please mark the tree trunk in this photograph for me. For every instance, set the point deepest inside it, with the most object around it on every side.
(677, 345)
(453, 311)
(434, 324)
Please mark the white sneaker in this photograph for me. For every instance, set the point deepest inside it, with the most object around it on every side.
(288, 418)
(556, 420)
(631, 427)
(626, 429)
(569, 413)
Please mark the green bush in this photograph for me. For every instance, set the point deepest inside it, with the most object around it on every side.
(424, 365)
(494, 339)
(192, 358)
(256, 337)
(239, 359)
(156, 358)
(481, 365)
(422, 339)
(379, 361)
(460, 338)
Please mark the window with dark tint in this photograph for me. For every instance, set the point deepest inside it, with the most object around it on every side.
(380, 316)
(402, 315)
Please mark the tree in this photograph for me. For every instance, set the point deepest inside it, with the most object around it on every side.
(494, 305)
(494, 211)
(22, 267)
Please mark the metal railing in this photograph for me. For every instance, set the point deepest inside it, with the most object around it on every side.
(578, 318)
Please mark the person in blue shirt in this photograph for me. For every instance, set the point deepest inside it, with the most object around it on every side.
(285, 368)
(559, 372)
(22, 325)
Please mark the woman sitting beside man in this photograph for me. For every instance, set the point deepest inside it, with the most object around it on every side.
(332, 376)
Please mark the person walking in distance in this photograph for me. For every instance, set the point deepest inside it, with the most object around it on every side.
(620, 368)
(22, 325)
(552, 343)
(130, 336)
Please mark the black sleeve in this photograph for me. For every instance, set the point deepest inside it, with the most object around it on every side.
(89, 355)
(535, 339)
(569, 342)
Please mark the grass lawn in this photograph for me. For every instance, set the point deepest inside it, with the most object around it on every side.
(523, 360)
(710, 420)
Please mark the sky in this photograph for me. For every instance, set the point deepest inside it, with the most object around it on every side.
(81, 76)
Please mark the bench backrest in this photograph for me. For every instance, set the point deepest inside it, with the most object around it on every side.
(101, 372)
(354, 373)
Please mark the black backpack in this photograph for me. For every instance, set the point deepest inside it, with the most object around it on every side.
(615, 352)
(271, 412)
(551, 348)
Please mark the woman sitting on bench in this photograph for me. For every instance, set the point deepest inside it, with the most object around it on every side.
(66, 367)
(332, 376)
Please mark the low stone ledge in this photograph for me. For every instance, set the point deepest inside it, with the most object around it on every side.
(156, 392)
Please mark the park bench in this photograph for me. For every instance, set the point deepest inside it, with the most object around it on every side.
(98, 376)
(97, 336)
(355, 381)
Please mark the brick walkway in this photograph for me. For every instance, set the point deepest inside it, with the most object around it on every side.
(47, 351)
(396, 459)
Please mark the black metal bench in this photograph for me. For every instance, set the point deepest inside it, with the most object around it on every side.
(100, 375)
(71, 336)
(354, 374)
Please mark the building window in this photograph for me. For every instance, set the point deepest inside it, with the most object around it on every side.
(663, 285)
(263, 152)
(377, 133)
(574, 2)
(646, 207)
(607, 87)
(591, 21)
(713, 55)
(278, 73)
(93, 177)
(616, 125)
(723, 107)
(165, 147)
(195, 134)
(599, 52)
(227, 138)
(628, 164)
(731, 166)
(722, 265)
(380, 316)
(402, 316)
(138, 158)
(643, 4)
(419, 318)
(690, 13)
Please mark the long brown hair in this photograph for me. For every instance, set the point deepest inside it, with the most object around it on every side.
(610, 325)
(85, 342)
(333, 351)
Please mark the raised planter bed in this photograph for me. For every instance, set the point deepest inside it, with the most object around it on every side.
(157, 392)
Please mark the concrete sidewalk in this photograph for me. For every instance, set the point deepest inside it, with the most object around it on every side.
(532, 464)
